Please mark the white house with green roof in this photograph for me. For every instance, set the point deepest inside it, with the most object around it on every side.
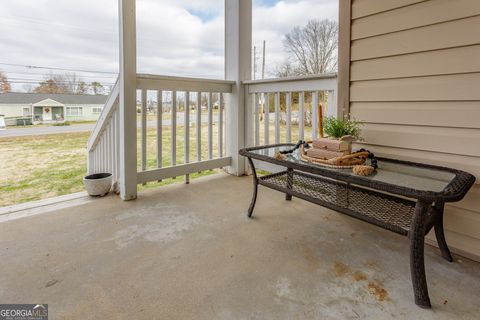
(47, 108)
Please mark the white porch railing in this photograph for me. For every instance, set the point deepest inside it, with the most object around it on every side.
(103, 144)
(113, 144)
(188, 88)
(260, 91)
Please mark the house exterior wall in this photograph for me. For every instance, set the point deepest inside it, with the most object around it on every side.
(13, 110)
(88, 112)
(414, 80)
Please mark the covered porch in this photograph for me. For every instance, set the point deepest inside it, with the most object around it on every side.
(48, 110)
(189, 251)
(173, 255)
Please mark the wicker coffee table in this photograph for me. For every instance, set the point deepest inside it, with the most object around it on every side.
(404, 197)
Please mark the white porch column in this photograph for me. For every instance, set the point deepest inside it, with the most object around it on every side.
(128, 100)
(238, 67)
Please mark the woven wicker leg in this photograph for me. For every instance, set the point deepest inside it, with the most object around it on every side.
(255, 188)
(417, 265)
(289, 183)
(439, 234)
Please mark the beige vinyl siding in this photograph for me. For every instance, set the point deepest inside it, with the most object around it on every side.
(362, 8)
(415, 83)
(447, 113)
(461, 32)
(460, 60)
(413, 16)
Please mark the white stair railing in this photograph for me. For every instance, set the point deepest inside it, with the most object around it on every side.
(103, 144)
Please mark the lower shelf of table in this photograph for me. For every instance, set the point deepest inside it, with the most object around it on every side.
(381, 209)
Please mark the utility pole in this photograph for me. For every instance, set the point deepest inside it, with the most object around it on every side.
(263, 96)
(263, 61)
(254, 62)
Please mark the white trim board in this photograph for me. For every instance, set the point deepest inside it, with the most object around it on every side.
(27, 209)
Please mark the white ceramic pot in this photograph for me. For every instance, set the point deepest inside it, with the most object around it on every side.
(98, 184)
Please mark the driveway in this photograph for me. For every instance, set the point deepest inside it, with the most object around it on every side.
(20, 132)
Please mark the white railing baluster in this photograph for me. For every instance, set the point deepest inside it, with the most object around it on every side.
(110, 148)
(199, 126)
(220, 126)
(117, 120)
(159, 127)
(174, 128)
(114, 146)
(187, 132)
(95, 161)
(256, 117)
(102, 154)
(144, 130)
(301, 115)
(266, 118)
(277, 117)
(210, 126)
(288, 120)
(314, 114)
(107, 144)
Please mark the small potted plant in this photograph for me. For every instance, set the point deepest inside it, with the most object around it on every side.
(98, 184)
(337, 128)
(342, 131)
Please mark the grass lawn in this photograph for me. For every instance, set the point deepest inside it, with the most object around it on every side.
(40, 167)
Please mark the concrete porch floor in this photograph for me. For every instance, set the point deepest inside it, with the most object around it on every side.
(189, 252)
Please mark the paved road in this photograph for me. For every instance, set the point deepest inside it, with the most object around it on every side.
(19, 132)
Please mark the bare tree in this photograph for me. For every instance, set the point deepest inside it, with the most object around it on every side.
(62, 83)
(82, 88)
(285, 70)
(312, 48)
(72, 82)
(55, 83)
(4, 84)
(28, 87)
(97, 87)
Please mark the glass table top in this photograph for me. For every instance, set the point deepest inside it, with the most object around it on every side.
(398, 174)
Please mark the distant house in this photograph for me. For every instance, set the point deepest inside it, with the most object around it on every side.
(45, 107)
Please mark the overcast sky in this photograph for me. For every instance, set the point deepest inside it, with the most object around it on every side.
(174, 37)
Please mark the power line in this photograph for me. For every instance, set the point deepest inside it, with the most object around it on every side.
(54, 68)
(49, 75)
(47, 79)
(59, 83)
